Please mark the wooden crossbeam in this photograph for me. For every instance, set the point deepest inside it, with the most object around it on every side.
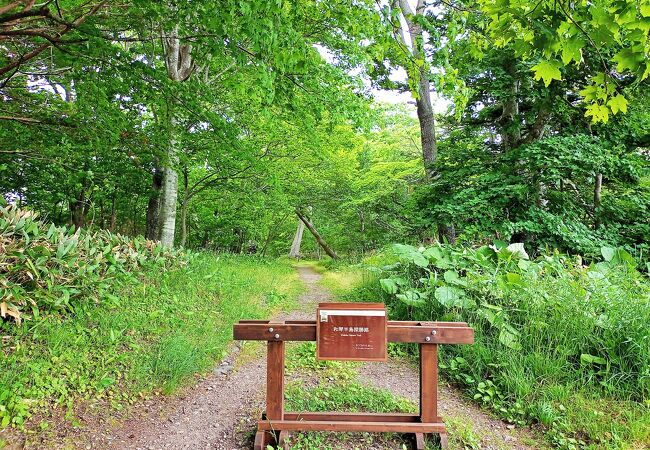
(359, 426)
(420, 332)
(276, 424)
(352, 417)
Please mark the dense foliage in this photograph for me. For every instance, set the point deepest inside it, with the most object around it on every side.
(268, 110)
(550, 333)
(47, 268)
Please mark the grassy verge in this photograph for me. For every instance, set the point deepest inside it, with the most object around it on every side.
(154, 336)
(341, 279)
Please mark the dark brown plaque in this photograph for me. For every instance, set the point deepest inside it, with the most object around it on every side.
(351, 332)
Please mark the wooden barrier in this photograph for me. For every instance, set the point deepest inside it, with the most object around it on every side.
(275, 425)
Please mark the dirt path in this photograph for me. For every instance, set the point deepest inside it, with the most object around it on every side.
(220, 412)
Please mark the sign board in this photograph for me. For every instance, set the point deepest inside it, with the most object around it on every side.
(351, 332)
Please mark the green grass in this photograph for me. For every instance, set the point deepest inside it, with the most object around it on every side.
(156, 337)
(340, 278)
(334, 387)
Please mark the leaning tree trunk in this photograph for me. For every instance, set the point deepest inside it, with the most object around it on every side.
(318, 237)
(178, 60)
(297, 240)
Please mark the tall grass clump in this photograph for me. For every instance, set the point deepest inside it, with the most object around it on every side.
(45, 268)
(558, 342)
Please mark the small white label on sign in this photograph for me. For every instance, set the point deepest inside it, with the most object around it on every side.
(323, 316)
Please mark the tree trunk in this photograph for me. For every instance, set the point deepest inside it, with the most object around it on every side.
(79, 210)
(179, 64)
(509, 120)
(168, 199)
(318, 237)
(184, 206)
(297, 240)
(598, 186)
(427, 125)
(111, 227)
(153, 206)
(134, 218)
(423, 102)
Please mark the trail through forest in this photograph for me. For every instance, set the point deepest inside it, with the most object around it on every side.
(221, 410)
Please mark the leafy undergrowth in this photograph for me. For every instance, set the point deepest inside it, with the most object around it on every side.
(558, 343)
(49, 269)
(151, 337)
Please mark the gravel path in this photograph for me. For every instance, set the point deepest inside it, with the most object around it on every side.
(402, 378)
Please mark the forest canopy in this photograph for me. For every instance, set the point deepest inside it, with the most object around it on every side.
(211, 124)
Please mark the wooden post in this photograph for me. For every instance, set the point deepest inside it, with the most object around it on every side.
(429, 392)
(429, 383)
(274, 395)
(275, 381)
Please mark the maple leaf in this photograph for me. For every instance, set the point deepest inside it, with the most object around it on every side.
(598, 112)
(617, 103)
(547, 70)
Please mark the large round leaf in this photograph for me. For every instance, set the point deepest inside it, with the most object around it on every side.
(449, 296)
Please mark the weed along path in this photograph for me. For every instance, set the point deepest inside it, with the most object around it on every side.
(220, 412)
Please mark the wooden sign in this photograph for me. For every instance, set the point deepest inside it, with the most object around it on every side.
(351, 332)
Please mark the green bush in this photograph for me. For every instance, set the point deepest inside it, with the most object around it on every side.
(547, 330)
(47, 268)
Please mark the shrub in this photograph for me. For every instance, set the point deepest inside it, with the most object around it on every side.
(546, 329)
(56, 269)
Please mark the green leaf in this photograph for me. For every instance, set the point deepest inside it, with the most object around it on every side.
(591, 359)
(608, 253)
(449, 296)
(452, 277)
(598, 113)
(388, 285)
(617, 103)
(627, 59)
(645, 9)
(514, 278)
(547, 70)
(572, 51)
(411, 254)
(509, 339)
(411, 298)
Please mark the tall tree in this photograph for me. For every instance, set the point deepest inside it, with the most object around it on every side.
(180, 66)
